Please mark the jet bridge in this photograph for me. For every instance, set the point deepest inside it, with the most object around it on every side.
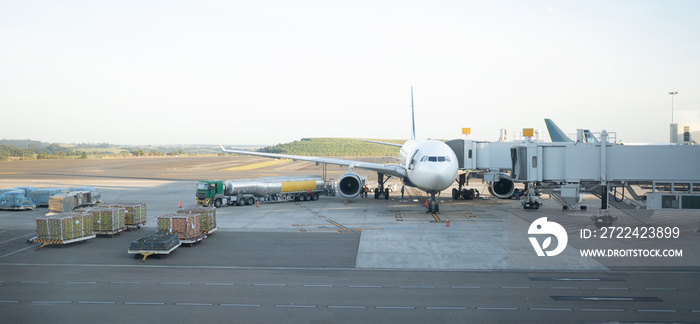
(667, 175)
(489, 160)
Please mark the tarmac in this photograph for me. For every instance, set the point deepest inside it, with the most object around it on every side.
(316, 260)
(484, 234)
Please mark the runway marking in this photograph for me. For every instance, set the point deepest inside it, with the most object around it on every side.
(395, 307)
(241, 305)
(16, 238)
(97, 302)
(606, 298)
(296, 306)
(51, 302)
(142, 303)
(658, 310)
(603, 310)
(269, 285)
(465, 287)
(549, 309)
(193, 304)
(20, 250)
(218, 284)
(352, 286)
(34, 282)
(446, 308)
(257, 165)
(81, 282)
(340, 228)
(328, 286)
(348, 307)
(125, 282)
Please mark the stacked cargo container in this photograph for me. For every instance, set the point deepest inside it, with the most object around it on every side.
(186, 226)
(106, 220)
(207, 217)
(134, 214)
(64, 228)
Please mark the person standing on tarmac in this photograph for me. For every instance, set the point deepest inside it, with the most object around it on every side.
(401, 192)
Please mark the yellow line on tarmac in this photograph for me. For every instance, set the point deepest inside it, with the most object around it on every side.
(256, 165)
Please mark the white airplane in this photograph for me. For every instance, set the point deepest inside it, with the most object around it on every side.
(425, 164)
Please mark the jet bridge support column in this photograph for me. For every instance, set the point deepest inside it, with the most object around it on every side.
(603, 218)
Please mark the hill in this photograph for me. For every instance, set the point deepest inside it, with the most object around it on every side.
(334, 147)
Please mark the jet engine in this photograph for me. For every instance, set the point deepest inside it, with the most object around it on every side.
(503, 188)
(349, 185)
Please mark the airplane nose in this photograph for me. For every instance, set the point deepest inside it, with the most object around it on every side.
(436, 178)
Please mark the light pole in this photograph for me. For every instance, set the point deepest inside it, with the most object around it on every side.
(674, 127)
(673, 101)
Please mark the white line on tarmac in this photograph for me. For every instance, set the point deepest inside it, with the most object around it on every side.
(296, 306)
(12, 239)
(603, 310)
(20, 250)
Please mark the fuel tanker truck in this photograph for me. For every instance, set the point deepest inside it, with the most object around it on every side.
(266, 189)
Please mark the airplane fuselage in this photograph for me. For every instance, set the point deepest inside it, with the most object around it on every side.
(430, 165)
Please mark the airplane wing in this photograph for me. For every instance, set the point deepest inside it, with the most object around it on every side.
(392, 169)
(383, 143)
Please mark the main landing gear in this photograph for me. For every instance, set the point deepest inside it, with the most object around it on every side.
(380, 191)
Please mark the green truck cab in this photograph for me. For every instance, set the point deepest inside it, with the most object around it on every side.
(210, 192)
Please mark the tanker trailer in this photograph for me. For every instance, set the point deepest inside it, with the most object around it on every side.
(266, 189)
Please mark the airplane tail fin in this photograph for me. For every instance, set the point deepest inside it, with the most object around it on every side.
(413, 118)
(555, 133)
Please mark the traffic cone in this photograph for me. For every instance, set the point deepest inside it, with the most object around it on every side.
(257, 203)
(180, 206)
(447, 224)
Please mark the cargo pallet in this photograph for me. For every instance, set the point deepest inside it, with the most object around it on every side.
(157, 253)
(45, 242)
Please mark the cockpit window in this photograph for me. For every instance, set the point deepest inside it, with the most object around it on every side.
(435, 159)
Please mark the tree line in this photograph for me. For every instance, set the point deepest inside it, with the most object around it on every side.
(334, 147)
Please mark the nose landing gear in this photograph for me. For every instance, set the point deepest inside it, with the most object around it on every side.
(432, 204)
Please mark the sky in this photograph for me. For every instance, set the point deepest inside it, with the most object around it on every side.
(268, 72)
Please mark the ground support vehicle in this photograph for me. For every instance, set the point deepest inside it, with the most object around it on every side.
(266, 189)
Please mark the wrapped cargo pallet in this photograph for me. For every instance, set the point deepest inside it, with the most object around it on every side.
(92, 197)
(155, 242)
(135, 213)
(63, 228)
(41, 196)
(207, 216)
(106, 220)
(185, 226)
(62, 203)
(15, 200)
